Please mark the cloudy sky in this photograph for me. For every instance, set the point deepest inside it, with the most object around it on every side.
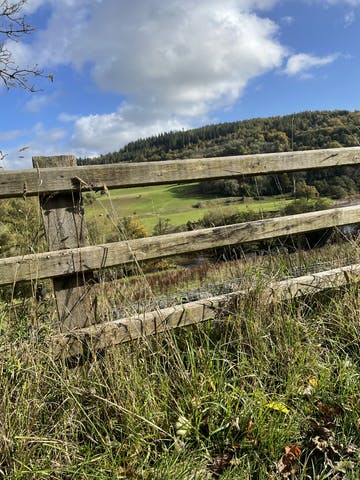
(125, 69)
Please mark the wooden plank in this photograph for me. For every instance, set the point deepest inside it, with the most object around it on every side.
(126, 329)
(29, 182)
(65, 229)
(75, 260)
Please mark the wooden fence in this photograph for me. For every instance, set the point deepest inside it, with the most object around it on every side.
(70, 261)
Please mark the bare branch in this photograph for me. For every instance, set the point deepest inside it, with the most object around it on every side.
(12, 27)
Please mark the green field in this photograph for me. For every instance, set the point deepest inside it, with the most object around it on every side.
(178, 203)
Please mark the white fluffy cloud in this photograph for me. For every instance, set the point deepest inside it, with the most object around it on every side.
(301, 63)
(186, 60)
(103, 133)
(174, 61)
(186, 57)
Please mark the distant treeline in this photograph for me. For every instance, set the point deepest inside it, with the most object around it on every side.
(301, 131)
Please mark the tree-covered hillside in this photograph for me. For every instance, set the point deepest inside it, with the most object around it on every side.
(301, 131)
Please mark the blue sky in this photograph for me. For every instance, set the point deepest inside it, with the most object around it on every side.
(125, 69)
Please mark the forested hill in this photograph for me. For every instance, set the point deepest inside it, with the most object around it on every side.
(300, 131)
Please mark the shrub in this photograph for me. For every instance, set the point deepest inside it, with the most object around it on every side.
(89, 198)
(302, 205)
(21, 227)
(162, 226)
(214, 218)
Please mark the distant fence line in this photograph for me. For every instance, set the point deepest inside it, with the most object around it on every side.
(70, 261)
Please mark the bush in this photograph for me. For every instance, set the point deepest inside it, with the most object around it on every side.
(336, 191)
(302, 205)
(130, 228)
(21, 227)
(89, 198)
(162, 227)
(216, 218)
(307, 191)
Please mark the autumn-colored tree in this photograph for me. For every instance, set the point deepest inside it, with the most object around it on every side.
(306, 191)
(130, 228)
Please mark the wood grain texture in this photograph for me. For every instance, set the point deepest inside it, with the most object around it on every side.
(124, 330)
(65, 229)
(33, 182)
(76, 260)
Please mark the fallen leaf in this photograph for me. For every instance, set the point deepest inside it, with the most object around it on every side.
(280, 407)
(220, 464)
(223, 461)
(321, 443)
(288, 465)
(313, 382)
(294, 450)
(310, 387)
(322, 429)
(328, 412)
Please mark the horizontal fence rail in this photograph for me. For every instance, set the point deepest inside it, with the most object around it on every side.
(75, 260)
(70, 262)
(126, 329)
(22, 183)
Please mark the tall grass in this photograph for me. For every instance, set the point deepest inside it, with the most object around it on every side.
(218, 400)
(225, 399)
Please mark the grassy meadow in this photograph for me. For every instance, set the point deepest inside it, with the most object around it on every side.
(263, 392)
(178, 203)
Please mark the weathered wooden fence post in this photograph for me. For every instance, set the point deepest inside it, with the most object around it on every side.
(65, 228)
